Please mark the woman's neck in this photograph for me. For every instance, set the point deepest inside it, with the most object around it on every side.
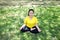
(30, 17)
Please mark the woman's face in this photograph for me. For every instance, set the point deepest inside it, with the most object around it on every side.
(31, 13)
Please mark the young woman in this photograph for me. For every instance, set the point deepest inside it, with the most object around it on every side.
(30, 23)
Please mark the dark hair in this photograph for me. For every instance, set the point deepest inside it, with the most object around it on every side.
(30, 10)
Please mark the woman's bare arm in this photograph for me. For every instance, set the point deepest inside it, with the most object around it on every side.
(22, 26)
(38, 28)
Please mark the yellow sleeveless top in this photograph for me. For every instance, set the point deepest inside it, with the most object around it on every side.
(30, 22)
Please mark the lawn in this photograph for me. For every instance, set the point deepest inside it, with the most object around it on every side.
(12, 17)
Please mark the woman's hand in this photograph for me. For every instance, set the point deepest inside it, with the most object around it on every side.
(32, 28)
(20, 28)
(39, 30)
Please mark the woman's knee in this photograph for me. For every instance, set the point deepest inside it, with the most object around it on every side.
(24, 29)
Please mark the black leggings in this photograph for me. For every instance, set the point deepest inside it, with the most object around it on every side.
(25, 29)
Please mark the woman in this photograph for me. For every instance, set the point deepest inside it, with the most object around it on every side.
(30, 23)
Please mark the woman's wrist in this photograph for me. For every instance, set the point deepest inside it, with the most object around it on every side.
(32, 28)
(39, 30)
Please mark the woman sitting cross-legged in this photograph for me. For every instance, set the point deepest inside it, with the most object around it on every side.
(30, 23)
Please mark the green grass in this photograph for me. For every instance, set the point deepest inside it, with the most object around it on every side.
(11, 19)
